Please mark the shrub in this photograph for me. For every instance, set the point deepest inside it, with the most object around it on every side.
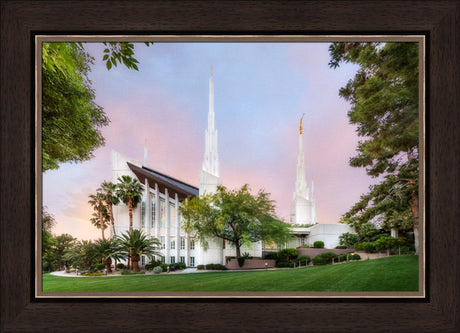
(348, 239)
(157, 269)
(340, 247)
(97, 267)
(385, 243)
(92, 274)
(126, 272)
(369, 247)
(324, 258)
(209, 266)
(120, 265)
(304, 258)
(152, 265)
(283, 264)
(355, 256)
(358, 246)
(200, 267)
(287, 255)
(240, 261)
(273, 255)
(303, 247)
(318, 245)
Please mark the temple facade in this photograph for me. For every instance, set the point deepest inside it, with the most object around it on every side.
(158, 214)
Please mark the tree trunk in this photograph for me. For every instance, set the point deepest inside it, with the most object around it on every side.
(238, 250)
(130, 209)
(108, 263)
(111, 219)
(102, 223)
(135, 261)
(414, 208)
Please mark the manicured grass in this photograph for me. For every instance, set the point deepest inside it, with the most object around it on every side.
(399, 273)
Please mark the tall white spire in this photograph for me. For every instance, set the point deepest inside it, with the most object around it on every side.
(301, 189)
(211, 159)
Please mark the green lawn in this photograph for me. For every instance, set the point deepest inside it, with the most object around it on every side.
(399, 273)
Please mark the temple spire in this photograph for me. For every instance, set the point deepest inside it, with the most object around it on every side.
(211, 160)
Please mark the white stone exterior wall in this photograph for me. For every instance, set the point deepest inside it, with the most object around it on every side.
(328, 233)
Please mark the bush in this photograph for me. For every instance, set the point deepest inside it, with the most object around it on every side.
(240, 261)
(283, 264)
(324, 258)
(157, 269)
(287, 255)
(92, 274)
(273, 256)
(318, 245)
(215, 267)
(369, 247)
(97, 267)
(152, 265)
(348, 239)
(200, 267)
(340, 247)
(304, 258)
(386, 243)
(120, 265)
(303, 247)
(358, 246)
(126, 272)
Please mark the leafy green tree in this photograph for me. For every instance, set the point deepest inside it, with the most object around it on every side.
(61, 244)
(348, 239)
(101, 216)
(129, 191)
(288, 254)
(71, 119)
(384, 106)
(134, 243)
(236, 216)
(82, 254)
(368, 231)
(109, 189)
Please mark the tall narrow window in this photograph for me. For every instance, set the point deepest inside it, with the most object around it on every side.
(172, 217)
(173, 243)
(162, 213)
(143, 214)
(153, 214)
(182, 259)
(192, 261)
(192, 244)
(182, 243)
(172, 259)
(162, 241)
(142, 260)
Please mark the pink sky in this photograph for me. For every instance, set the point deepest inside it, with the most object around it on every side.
(261, 91)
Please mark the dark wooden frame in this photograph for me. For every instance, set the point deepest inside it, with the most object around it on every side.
(21, 19)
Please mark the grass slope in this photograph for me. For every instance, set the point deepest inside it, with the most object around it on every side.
(399, 273)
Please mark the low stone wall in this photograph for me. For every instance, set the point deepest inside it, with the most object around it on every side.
(311, 252)
(250, 264)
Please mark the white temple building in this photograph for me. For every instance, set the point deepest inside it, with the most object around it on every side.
(303, 209)
(158, 214)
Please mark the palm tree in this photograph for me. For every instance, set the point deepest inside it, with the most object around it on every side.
(129, 190)
(83, 254)
(135, 243)
(109, 191)
(100, 216)
(106, 250)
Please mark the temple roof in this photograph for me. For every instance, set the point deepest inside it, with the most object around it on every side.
(173, 185)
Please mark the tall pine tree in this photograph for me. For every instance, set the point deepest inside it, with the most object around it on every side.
(384, 106)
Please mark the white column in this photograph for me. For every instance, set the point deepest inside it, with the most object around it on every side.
(148, 209)
(157, 212)
(168, 227)
(177, 222)
(187, 250)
